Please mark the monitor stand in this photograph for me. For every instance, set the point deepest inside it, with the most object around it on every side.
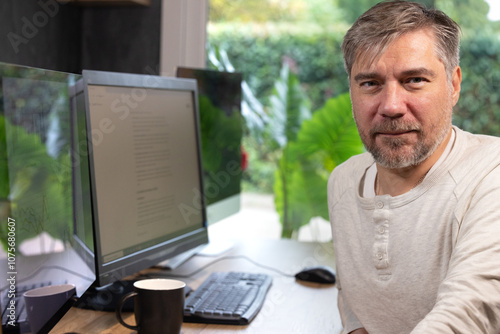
(210, 249)
(107, 298)
(215, 248)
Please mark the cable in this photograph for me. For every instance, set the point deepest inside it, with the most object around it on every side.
(232, 257)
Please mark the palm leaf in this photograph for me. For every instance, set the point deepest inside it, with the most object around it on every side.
(324, 141)
(331, 133)
(289, 108)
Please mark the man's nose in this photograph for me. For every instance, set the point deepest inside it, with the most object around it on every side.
(392, 103)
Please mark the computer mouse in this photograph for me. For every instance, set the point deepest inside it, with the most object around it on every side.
(317, 274)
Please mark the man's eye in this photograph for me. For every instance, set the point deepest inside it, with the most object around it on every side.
(416, 80)
(368, 84)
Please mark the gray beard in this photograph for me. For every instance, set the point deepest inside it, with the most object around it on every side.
(419, 152)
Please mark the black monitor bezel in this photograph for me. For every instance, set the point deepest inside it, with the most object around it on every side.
(107, 273)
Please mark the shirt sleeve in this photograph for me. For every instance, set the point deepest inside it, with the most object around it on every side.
(468, 299)
(349, 319)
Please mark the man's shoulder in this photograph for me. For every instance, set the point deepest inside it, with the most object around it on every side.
(351, 170)
(477, 156)
(355, 164)
(480, 146)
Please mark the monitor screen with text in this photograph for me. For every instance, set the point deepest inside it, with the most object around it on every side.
(145, 167)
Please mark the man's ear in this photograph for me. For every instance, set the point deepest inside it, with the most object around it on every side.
(456, 82)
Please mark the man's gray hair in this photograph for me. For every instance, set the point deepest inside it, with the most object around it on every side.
(373, 31)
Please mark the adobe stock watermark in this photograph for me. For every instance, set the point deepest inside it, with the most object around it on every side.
(30, 27)
(11, 310)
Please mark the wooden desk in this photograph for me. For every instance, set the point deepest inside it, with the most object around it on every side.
(291, 307)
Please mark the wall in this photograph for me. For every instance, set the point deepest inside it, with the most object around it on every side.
(42, 34)
(184, 30)
(69, 38)
(122, 39)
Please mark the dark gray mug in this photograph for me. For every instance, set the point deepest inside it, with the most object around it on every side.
(44, 302)
(158, 306)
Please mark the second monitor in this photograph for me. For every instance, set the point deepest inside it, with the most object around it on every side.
(221, 125)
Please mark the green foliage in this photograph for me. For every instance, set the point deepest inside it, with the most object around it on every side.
(353, 9)
(310, 45)
(331, 135)
(327, 139)
(249, 10)
(478, 109)
(278, 11)
(259, 175)
(471, 15)
(260, 171)
(39, 189)
(313, 50)
(4, 171)
(35, 167)
(218, 130)
(251, 108)
(300, 191)
(289, 107)
(468, 13)
(313, 54)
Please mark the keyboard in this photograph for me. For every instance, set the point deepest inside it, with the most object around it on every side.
(227, 298)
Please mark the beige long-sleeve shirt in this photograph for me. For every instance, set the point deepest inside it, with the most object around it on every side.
(427, 261)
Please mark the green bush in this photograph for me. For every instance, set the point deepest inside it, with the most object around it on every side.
(478, 109)
(259, 51)
(296, 169)
(324, 141)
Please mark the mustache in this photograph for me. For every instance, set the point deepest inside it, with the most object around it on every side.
(394, 126)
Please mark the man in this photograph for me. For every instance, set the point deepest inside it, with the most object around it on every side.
(416, 219)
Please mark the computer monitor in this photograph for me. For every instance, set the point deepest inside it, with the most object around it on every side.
(39, 244)
(146, 179)
(221, 121)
